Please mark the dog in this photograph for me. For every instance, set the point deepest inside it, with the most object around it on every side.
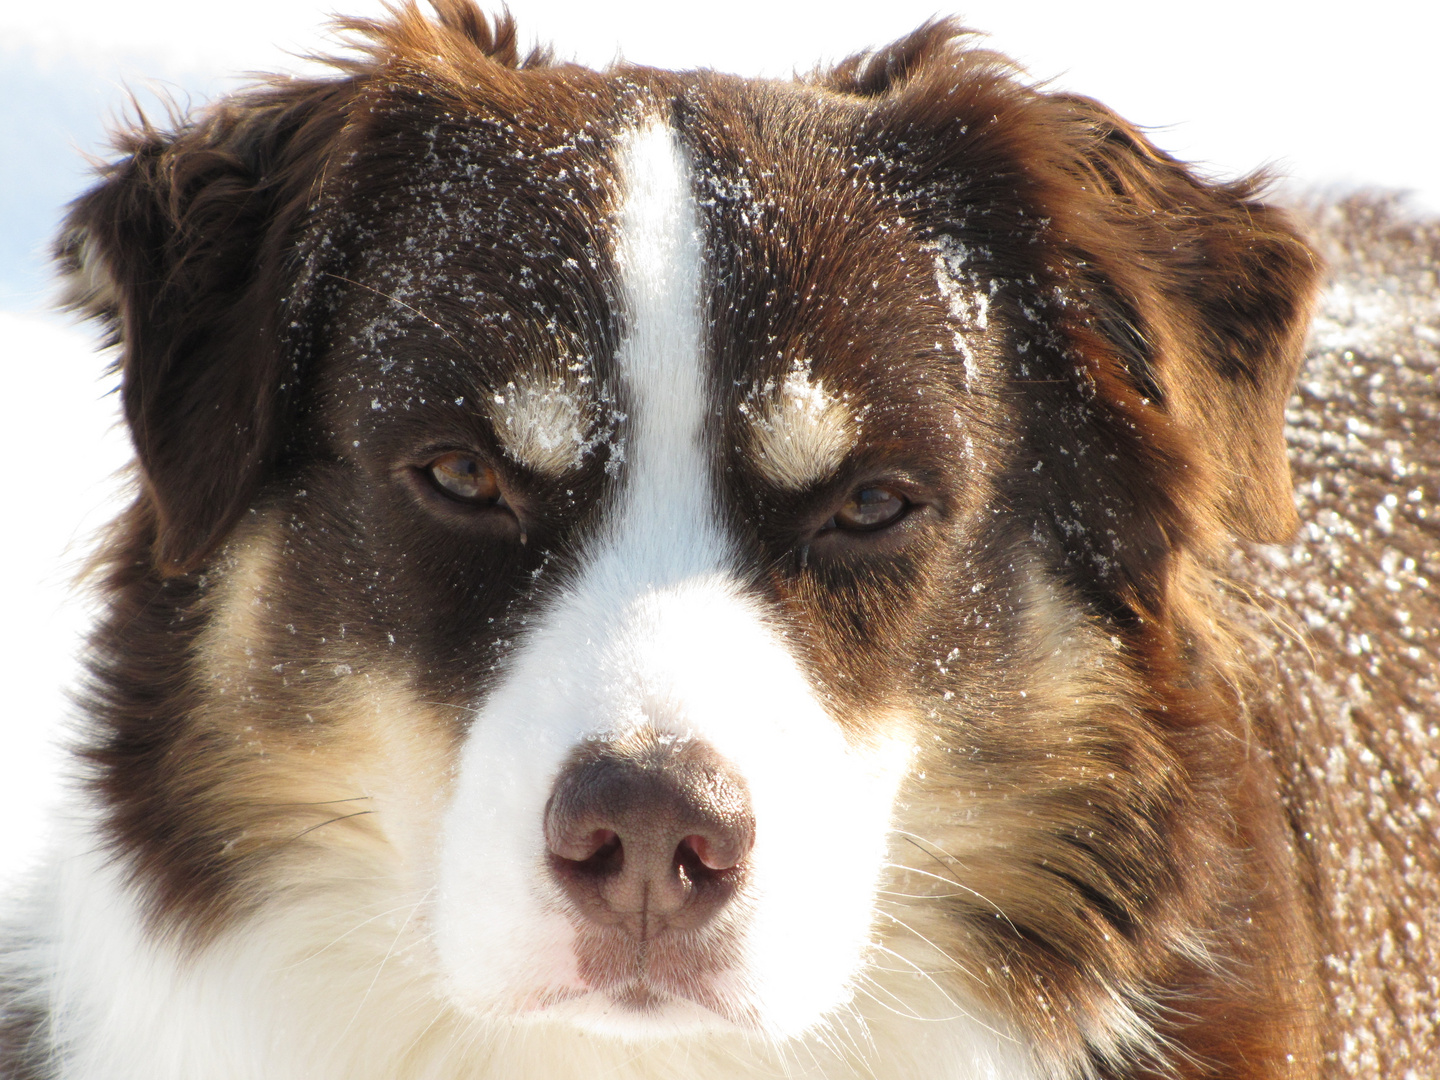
(643, 574)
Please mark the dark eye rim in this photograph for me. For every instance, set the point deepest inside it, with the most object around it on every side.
(427, 471)
(906, 506)
(414, 472)
(825, 537)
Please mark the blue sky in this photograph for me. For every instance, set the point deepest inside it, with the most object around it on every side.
(1330, 95)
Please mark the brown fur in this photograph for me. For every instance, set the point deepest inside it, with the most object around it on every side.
(1112, 837)
(1347, 664)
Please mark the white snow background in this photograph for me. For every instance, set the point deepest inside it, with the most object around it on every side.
(1330, 95)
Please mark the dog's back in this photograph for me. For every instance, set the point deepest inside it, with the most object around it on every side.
(1347, 635)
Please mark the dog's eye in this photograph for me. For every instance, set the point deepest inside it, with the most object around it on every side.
(869, 509)
(465, 478)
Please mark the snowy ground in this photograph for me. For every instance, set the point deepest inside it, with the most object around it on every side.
(1332, 99)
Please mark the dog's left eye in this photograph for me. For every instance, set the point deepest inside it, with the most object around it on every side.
(465, 478)
(869, 509)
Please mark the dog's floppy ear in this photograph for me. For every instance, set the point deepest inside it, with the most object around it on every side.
(186, 251)
(1206, 292)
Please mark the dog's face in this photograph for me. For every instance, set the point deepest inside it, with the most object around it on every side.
(696, 549)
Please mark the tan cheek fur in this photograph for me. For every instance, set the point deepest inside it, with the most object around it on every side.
(977, 824)
(337, 756)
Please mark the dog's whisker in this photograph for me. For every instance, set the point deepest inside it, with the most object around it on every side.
(330, 821)
(947, 863)
(316, 802)
(408, 907)
(949, 999)
(943, 953)
(390, 297)
(380, 967)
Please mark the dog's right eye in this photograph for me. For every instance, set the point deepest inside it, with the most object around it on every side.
(870, 509)
(466, 479)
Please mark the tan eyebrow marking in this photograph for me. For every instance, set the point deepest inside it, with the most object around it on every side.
(800, 433)
(545, 420)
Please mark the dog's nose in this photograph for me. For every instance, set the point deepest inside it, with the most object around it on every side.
(649, 833)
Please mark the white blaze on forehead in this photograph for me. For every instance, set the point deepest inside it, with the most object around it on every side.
(545, 420)
(799, 432)
(667, 528)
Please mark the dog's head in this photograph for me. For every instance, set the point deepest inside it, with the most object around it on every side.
(689, 539)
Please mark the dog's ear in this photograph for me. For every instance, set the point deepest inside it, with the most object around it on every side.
(186, 251)
(1206, 293)
(1160, 317)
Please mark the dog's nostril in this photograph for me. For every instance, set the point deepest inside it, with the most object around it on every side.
(597, 845)
(648, 828)
(713, 852)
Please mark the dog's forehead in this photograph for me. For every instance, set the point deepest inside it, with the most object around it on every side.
(491, 274)
(828, 328)
(493, 246)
